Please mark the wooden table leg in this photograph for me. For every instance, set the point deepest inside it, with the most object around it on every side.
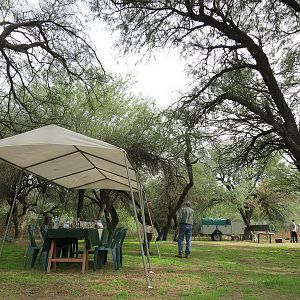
(52, 259)
(87, 259)
(84, 258)
(53, 244)
(54, 255)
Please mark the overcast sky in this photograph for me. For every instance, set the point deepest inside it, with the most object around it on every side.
(161, 78)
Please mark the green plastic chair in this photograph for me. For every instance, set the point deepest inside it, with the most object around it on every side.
(33, 249)
(105, 241)
(100, 254)
(120, 245)
(45, 247)
(43, 232)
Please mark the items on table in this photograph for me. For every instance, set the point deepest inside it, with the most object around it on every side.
(56, 222)
(67, 224)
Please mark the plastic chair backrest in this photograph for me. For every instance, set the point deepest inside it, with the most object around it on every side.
(43, 231)
(31, 229)
(111, 238)
(104, 237)
(118, 236)
(123, 234)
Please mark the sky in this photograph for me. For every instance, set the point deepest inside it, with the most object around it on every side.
(161, 78)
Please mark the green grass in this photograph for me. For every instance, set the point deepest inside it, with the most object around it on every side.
(216, 270)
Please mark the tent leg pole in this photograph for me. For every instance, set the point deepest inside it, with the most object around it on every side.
(144, 226)
(10, 214)
(155, 237)
(137, 225)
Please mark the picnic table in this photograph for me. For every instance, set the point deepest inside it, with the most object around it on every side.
(55, 237)
(269, 234)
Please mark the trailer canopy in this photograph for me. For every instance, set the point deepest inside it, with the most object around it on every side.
(215, 221)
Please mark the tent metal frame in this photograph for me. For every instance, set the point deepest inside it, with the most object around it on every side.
(137, 225)
(144, 229)
(11, 210)
(146, 272)
(151, 221)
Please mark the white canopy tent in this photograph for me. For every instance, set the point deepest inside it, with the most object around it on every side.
(73, 161)
(69, 159)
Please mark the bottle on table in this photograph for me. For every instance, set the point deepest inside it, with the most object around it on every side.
(67, 224)
(56, 222)
(99, 224)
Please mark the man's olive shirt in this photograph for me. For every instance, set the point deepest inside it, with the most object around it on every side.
(186, 215)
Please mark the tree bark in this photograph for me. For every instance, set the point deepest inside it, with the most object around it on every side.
(111, 214)
(173, 210)
(16, 222)
(247, 215)
(80, 204)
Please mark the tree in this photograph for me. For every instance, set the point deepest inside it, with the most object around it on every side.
(39, 44)
(258, 192)
(207, 191)
(28, 193)
(243, 58)
(179, 181)
(176, 169)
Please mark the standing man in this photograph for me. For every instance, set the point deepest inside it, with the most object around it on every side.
(149, 227)
(294, 230)
(185, 221)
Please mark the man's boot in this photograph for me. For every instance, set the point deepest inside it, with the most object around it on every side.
(180, 255)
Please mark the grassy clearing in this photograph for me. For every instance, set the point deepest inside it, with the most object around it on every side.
(216, 270)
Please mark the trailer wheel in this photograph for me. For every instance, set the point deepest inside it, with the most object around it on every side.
(216, 236)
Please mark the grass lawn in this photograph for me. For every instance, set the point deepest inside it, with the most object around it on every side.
(216, 270)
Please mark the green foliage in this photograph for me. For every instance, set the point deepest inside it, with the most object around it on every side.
(265, 193)
(43, 43)
(126, 220)
(243, 61)
(282, 177)
(110, 114)
(206, 192)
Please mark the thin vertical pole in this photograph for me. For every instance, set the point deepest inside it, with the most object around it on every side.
(11, 211)
(136, 223)
(155, 237)
(144, 226)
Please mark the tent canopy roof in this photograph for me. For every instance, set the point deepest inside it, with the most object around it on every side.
(69, 159)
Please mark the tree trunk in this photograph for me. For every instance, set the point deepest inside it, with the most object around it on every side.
(111, 214)
(16, 222)
(247, 215)
(80, 204)
(163, 234)
(114, 219)
(247, 233)
(186, 189)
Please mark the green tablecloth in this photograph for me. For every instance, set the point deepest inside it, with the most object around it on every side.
(91, 236)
